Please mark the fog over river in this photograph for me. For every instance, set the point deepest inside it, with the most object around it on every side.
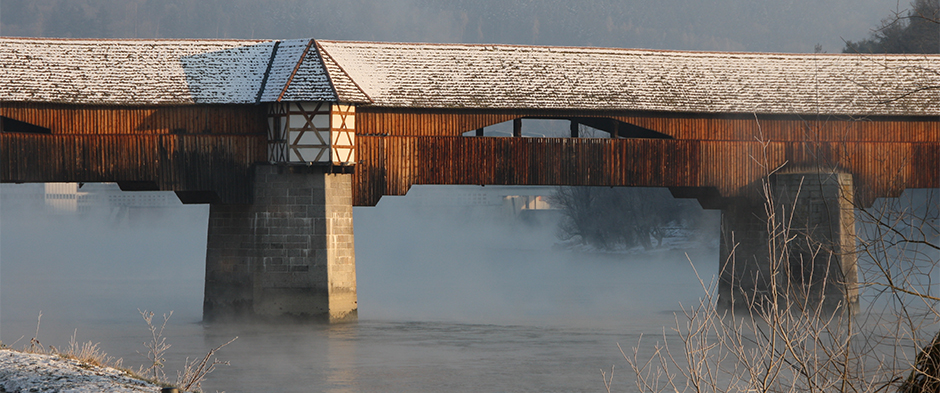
(452, 296)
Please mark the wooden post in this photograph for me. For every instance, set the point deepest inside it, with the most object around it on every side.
(574, 129)
(517, 128)
(480, 131)
(615, 130)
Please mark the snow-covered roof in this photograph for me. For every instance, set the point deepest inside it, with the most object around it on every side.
(510, 77)
(283, 65)
(297, 74)
(160, 72)
(154, 72)
(129, 72)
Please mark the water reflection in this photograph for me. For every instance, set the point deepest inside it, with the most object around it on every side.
(341, 354)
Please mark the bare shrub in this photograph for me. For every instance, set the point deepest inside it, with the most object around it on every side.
(34, 345)
(783, 343)
(195, 371)
(156, 347)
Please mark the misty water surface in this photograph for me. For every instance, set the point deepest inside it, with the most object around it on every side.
(451, 296)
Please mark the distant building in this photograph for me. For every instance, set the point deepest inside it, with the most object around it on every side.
(526, 203)
(73, 198)
(63, 197)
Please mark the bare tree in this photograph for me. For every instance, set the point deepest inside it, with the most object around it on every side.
(784, 344)
(613, 217)
(914, 31)
(890, 343)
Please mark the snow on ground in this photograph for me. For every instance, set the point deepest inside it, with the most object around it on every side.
(30, 372)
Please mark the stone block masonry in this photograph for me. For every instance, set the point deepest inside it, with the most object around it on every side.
(803, 249)
(290, 254)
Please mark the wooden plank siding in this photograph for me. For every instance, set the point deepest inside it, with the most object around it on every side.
(390, 165)
(101, 119)
(178, 148)
(697, 126)
(213, 148)
(399, 148)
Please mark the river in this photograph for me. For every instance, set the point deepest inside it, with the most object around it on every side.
(452, 298)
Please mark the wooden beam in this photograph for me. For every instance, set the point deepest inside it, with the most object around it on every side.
(574, 129)
(517, 128)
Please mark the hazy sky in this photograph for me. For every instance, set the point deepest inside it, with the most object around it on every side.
(738, 25)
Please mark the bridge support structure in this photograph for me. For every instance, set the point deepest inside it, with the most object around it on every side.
(288, 255)
(797, 246)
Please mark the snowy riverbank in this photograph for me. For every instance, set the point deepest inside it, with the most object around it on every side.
(29, 372)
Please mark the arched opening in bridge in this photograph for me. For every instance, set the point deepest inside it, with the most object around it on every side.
(573, 127)
(12, 125)
(531, 128)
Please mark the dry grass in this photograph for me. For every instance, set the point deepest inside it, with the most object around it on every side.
(89, 354)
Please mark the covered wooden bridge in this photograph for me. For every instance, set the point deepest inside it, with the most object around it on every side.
(282, 138)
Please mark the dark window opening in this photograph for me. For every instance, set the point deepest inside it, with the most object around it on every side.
(585, 127)
(530, 128)
(11, 125)
(623, 130)
(138, 186)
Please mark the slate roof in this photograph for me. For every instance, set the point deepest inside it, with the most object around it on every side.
(508, 77)
(156, 72)
(297, 74)
(131, 72)
(160, 72)
(282, 67)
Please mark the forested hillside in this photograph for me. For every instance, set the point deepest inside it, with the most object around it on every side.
(914, 31)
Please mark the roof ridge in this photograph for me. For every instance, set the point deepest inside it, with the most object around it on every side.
(327, 71)
(133, 41)
(267, 72)
(616, 49)
(122, 40)
(293, 73)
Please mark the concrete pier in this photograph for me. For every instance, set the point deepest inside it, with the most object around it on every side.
(802, 250)
(289, 255)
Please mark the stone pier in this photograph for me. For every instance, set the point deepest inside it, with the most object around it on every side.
(289, 255)
(802, 250)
